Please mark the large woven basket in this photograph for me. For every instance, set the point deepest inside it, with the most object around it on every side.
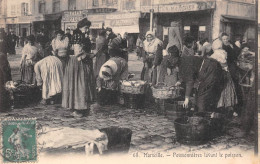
(133, 89)
(165, 92)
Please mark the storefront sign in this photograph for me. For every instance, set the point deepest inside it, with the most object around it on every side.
(11, 21)
(123, 22)
(123, 15)
(24, 19)
(96, 25)
(183, 7)
(96, 18)
(245, 1)
(72, 16)
(180, 7)
(100, 10)
(160, 2)
(38, 18)
(146, 9)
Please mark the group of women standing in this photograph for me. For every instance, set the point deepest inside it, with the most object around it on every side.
(215, 75)
(61, 75)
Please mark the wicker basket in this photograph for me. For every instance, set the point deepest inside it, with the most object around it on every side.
(133, 89)
(245, 65)
(165, 92)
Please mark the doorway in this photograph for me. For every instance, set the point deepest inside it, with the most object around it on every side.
(194, 31)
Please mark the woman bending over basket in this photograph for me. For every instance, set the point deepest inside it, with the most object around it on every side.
(208, 73)
(111, 72)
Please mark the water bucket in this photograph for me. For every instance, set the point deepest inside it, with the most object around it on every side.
(192, 130)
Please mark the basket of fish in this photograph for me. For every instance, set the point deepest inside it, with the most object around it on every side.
(133, 87)
(161, 91)
(22, 93)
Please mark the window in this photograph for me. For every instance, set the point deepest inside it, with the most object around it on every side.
(24, 8)
(110, 2)
(72, 5)
(146, 2)
(103, 2)
(13, 10)
(56, 6)
(41, 7)
(129, 5)
(115, 1)
(95, 2)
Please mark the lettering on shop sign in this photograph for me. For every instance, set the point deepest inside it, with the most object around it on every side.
(123, 16)
(73, 16)
(244, 1)
(123, 22)
(175, 1)
(96, 25)
(100, 10)
(180, 7)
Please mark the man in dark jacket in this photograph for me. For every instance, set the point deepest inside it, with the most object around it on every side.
(110, 35)
(11, 42)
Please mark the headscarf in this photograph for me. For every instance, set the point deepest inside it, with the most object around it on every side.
(151, 47)
(217, 44)
(108, 69)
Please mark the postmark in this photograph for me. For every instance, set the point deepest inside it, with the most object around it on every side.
(19, 140)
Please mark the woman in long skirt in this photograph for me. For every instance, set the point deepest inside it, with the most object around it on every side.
(30, 55)
(79, 82)
(228, 97)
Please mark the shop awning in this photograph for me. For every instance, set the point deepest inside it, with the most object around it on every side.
(53, 17)
(123, 22)
(236, 19)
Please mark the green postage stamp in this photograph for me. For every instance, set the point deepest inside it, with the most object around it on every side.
(19, 140)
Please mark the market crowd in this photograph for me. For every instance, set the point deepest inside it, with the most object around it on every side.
(216, 73)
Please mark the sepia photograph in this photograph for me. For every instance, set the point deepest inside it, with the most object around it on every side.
(133, 81)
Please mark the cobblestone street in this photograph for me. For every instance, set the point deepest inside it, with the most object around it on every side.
(151, 132)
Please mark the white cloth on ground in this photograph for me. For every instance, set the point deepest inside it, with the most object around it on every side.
(65, 137)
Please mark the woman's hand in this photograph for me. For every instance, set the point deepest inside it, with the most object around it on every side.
(186, 103)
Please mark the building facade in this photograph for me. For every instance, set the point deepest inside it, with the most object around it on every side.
(198, 18)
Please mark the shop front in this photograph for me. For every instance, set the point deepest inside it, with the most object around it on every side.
(24, 25)
(70, 19)
(125, 22)
(49, 23)
(194, 18)
(97, 24)
(11, 24)
(240, 23)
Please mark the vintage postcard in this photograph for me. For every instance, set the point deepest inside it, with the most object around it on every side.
(133, 81)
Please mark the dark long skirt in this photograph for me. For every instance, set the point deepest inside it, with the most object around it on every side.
(209, 90)
(28, 74)
(78, 84)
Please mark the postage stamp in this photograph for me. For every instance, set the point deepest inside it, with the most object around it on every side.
(19, 140)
